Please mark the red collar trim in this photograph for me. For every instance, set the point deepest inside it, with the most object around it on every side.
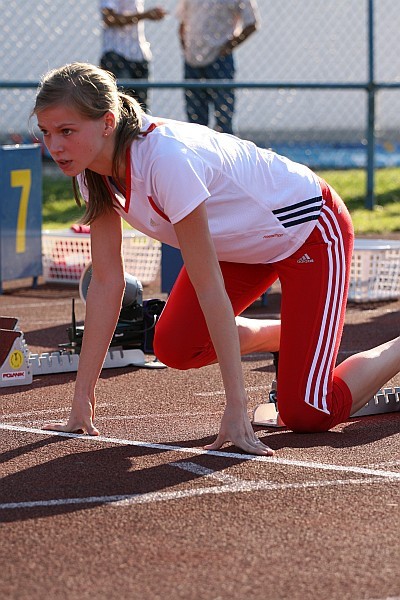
(128, 178)
(125, 193)
(128, 174)
(151, 128)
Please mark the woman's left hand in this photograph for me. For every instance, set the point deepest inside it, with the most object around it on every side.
(236, 428)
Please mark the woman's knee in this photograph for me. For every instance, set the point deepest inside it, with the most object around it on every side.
(180, 353)
(302, 418)
(169, 351)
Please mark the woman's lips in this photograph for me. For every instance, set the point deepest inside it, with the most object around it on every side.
(64, 164)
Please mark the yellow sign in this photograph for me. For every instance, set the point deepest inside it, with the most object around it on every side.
(16, 359)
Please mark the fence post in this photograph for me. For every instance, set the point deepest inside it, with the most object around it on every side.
(370, 200)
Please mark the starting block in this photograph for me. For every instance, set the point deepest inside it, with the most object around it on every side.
(266, 415)
(14, 357)
(386, 400)
(18, 365)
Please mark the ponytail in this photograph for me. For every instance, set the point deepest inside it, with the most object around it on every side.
(128, 127)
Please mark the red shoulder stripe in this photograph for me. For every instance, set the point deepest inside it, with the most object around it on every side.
(158, 210)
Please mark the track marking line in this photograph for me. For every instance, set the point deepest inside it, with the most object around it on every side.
(254, 388)
(199, 451)
(150, 497)
(387, 598)
(204, 472)
(125, 418)
(139, 417)
(177, 415)
(50, 410)
(385, 463)
(33, 422)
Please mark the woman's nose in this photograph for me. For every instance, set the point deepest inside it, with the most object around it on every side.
(55, 145)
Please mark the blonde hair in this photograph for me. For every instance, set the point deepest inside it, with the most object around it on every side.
(92, 92)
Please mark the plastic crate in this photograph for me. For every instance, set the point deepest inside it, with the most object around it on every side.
(375, 270)
(65, 254)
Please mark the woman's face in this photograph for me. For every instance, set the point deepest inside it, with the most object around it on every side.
(76, 143)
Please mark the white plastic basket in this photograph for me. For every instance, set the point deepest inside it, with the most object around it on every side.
(65, 254)
(375, 270)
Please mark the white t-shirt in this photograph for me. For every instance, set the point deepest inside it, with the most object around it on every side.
(261, 206)
(208, 24)
(128, 40)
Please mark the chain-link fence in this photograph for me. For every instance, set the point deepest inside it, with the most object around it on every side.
(309, 81)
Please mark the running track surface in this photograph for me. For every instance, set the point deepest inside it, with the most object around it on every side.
(142, 512)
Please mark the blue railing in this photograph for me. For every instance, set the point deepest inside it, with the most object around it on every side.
(370, 86)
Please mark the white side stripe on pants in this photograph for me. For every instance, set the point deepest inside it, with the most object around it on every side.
(317, 383)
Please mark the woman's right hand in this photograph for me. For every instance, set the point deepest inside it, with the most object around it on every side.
(237, 429)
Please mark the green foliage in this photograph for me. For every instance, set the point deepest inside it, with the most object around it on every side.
(60, 210)
(351, 185)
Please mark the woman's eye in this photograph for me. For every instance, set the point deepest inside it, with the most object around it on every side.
(66, 131)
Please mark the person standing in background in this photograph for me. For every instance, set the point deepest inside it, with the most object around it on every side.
(126, 52)
(209, 31)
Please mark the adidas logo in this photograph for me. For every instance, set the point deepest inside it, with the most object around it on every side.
(305, 259)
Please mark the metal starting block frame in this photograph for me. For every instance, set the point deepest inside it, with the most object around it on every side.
(18, 365)
(387, 400)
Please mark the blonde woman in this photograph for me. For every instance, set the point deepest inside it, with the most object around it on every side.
(242, 216)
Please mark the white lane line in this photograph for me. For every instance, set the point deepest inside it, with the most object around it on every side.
(199, 451)
(254, 388)
(385, 463)
(387, 598)
(35, 413)
(204, 472)
(139, 417)
(177, 415)
(232, 488)
(167, 415)
(45, 411)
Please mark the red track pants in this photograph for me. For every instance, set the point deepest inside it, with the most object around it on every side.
(314, 282)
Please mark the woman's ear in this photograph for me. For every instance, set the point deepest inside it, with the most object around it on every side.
(109, 123)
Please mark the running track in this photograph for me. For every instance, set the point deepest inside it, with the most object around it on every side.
(143, 512)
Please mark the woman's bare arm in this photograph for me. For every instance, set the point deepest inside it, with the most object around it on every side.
(103, 304)
(203, 269)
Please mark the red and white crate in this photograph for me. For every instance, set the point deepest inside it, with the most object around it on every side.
(375, 270)
(65, 255)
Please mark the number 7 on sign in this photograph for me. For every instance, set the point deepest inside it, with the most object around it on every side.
(22, 179)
